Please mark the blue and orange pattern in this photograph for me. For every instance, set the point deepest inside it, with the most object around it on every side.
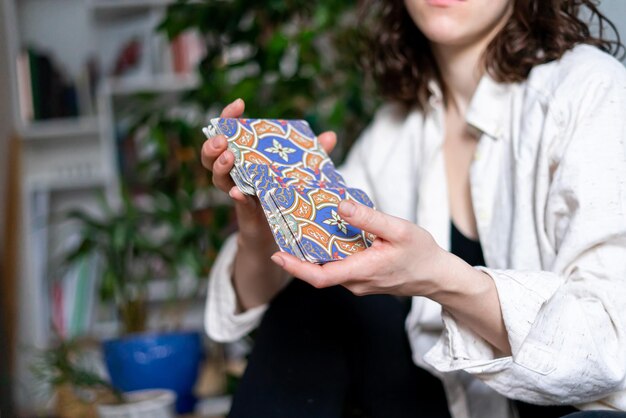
(312, 216)
(282, 163)
(282, 144)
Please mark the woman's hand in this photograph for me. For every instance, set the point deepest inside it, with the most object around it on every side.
(255, 278)
(405, 260)
(219, 160)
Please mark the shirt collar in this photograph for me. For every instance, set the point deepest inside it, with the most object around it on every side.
(489, 109)
(436, 95)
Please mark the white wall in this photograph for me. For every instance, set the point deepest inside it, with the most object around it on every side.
(616, 11)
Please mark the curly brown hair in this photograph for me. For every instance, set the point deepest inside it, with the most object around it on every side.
(401, 61)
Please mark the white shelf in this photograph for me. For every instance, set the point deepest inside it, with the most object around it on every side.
(164, 83)
(126, 4)
(59, 128)
(116, 9)
(110, 10)
(110, 5)
(69, 183)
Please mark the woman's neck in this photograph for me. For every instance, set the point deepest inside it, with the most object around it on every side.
(461, 69)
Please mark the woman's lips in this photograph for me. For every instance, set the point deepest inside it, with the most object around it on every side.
(443, 3)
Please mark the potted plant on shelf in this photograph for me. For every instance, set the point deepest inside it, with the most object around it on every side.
(156, 232)
(131, 254)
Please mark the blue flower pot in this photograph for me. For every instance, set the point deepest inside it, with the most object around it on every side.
(151, 361)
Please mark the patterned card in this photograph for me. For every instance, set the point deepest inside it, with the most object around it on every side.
(282, 235)
(262, 176)
(298, 186)
(312, 218)
(288, 147)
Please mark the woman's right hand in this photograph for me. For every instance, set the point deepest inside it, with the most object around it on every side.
(255, 243)
(217, 158)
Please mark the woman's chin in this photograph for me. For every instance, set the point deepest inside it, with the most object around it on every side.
(448, 37)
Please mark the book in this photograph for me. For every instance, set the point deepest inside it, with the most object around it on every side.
(44, 92)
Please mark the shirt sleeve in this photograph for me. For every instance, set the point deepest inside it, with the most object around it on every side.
(222, 322)
(566, 325)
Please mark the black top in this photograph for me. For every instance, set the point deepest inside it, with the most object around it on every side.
(467, 249)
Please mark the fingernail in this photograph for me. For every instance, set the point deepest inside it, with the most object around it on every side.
(238, 100)
(230, 193)
(278, 260)
(223, 158)
(347, 207)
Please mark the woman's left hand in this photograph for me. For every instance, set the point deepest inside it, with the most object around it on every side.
(403, 260)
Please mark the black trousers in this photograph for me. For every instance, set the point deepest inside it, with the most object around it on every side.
(329, 354)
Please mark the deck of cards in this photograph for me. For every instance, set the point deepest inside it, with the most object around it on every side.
(282, 163)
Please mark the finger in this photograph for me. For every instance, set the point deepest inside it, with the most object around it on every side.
(378, 223)
(342, 272)
(234, 109)
(247, 201)
(237, 195)
(244, 204)
(212, 149)
(311, 273)
(221, 170)
(327, 140)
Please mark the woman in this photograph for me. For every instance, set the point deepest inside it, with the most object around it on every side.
(503, 147)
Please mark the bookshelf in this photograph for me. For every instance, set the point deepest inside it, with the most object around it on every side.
(69, 157)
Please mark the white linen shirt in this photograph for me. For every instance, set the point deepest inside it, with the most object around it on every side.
(548, 186)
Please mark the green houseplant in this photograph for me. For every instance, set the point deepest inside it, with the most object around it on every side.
(77, 386)
(165, 223)
(286, 59)
(128, 254)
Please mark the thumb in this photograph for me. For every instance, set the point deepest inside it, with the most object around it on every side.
(380, 224)
(327, 140)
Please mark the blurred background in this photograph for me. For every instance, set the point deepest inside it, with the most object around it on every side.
(109, 225)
